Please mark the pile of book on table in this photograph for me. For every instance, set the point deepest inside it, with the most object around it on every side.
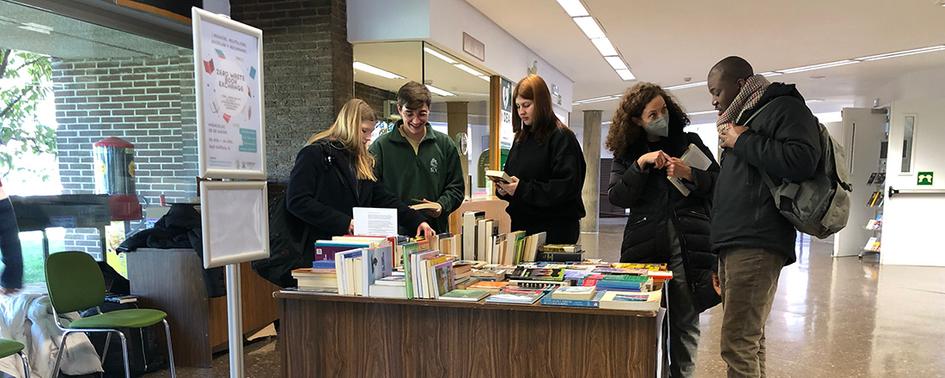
(418, 269)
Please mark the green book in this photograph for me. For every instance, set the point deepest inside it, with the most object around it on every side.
(626, 278)
(465, 295)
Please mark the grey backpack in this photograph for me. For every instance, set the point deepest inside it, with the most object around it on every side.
(819, 206)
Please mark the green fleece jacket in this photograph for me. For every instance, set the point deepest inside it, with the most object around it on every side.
(434, 173)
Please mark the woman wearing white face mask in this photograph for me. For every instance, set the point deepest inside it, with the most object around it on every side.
(665, 225)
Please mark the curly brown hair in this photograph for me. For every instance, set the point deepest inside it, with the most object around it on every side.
(624, 131)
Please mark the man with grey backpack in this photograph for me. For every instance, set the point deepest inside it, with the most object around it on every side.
(770, 141)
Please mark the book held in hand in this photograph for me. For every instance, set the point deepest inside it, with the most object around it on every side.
(498, 176)
(694, 158)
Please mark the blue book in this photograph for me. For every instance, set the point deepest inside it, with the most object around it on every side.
(593, 303)
(323, 264)
(620, 285)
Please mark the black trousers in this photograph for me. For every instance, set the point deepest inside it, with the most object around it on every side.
(12, 277)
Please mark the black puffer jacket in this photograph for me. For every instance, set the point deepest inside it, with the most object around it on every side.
(653, 201)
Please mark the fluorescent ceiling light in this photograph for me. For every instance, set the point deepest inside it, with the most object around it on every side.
(468, 69)
(625, 74)
(604, 46)
(897, 54)
(596, 99)
(363, 67)
(439, 91)
(703, 112)
(589, 26)
(616, 62)
(771, 73)
(819, 66)
(573, 8)
(31, 26)
(485, 77)
(439, 55)
(687, 85)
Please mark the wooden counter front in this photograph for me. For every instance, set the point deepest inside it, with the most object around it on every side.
(344, 336)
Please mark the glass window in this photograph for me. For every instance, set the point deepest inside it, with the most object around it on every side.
(908, 138)
(100, 135)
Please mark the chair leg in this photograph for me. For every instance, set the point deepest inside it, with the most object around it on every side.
(26, 364)
(124, 353)
(62, 350)
(108, 341)
(170, 350)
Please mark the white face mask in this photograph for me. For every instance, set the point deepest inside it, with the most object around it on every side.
(658, 127)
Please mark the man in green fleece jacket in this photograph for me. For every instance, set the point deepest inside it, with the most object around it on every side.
(418, 164)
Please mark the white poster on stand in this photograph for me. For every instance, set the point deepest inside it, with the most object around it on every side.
(231, 123)
(235, 221)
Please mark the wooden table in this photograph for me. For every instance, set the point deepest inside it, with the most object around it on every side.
(326, 335)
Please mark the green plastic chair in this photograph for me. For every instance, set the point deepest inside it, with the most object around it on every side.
(9, 348)
(75, 283)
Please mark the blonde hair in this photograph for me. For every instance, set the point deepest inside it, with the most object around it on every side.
(347, 131)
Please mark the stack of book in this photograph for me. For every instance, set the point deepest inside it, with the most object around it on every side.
(428, 274)
(320, 277)
(481, 241)
(561, 252)
(462, 274)
(574, 296)
(465, 295)
(515, 295)
(489, 286)
(624, 282)
(632, 301)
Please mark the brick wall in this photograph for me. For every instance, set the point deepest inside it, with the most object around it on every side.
(308, 74)
(146, 101)
(374, 96)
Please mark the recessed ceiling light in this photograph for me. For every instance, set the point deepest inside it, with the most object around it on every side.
(687, 85)
(573, 8)
(616, 62)
(820, 66)
(604, 46)
(439, 91)
(439, 55)
(364, 67)
(590, 27)
(468, 69)
(898, 54)
(626, 75)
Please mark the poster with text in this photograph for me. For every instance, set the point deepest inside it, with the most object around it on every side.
(230, 115)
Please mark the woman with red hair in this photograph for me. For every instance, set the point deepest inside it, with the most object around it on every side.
(546, 166)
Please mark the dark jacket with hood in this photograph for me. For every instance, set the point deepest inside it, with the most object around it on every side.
(784, 141)
(654, 203)
(324, 188)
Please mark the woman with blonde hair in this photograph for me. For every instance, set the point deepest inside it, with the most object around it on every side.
(334, 173)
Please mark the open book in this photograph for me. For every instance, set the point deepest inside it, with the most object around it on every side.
(695, 158)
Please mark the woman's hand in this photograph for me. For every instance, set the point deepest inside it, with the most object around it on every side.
(508, 189)
(351, 227)
(679, 169)
(426, 231)
(658, 159)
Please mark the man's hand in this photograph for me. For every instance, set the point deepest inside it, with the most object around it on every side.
(658, 159)
(679, 169)
(509, 188)
(426, 231)
(434, 212)
(716, 284)
(729, 133)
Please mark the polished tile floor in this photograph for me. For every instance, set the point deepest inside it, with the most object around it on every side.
(842, 317)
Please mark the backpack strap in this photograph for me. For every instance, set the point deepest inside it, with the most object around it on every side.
(769, 182)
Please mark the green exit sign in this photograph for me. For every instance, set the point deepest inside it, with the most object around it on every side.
(925, 178)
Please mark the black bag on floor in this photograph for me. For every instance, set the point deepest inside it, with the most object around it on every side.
(146, 350)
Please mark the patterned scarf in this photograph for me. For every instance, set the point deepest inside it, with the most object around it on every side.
(747, 98)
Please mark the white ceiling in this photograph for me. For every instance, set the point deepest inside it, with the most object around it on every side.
(668, 41)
